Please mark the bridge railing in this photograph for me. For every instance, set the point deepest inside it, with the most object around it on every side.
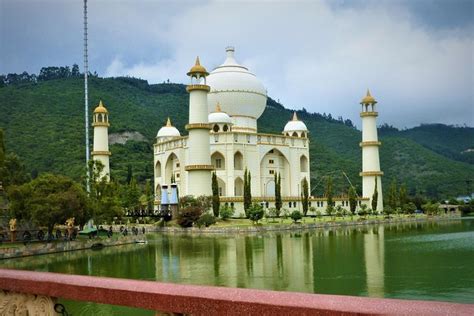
(46, 287)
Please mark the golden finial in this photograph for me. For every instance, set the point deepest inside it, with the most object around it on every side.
(168, 123)
(295, 118)
(368, 99)
(100, 108)
(198, 69)
(197, 61)
(218, 107)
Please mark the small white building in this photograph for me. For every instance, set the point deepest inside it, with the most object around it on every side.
(235, 100)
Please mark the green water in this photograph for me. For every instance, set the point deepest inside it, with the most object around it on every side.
(429, 261)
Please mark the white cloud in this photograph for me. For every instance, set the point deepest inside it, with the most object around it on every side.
(309, 54)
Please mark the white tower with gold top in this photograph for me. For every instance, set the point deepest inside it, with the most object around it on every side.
(100, 122)
(371, 173)
(198, 164)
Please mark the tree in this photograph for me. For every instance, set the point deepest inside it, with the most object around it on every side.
(247, 192)
(375, 196)
(215, 195)
(226, 212)
(49, 200)
(278, 201)
(403, 197)
(352, 200)
(131, 196)
(305, 196)
(150, 197)
(328, 194)
(256, 212)
(392, 195)
(296, 216)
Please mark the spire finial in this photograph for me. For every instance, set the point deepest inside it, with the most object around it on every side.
(100, 103)
(295, 118)
(218, 107)
(168, 123)
(197, 61)
(368, 92)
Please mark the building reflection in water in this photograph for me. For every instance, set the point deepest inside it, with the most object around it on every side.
(374, 261)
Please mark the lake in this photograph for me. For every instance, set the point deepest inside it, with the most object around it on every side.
(427, 261)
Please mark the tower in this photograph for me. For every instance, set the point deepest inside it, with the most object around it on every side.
(100, 122)
(199, 159)
(371, 173)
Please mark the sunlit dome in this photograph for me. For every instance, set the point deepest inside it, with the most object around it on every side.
(168, 130)
(295, 125)
(237, 89)
(218, 116)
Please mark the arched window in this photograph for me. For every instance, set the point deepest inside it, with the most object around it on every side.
(294, 134)
(218, 160)
(225, 128)
(221, 187)
(303, 164)
(215, 128)
(100, 118)
(158, 193)
(303, 134)
(158, 169)
(238, 161)
(238, 187)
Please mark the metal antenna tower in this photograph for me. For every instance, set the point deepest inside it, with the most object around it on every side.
(86, 99)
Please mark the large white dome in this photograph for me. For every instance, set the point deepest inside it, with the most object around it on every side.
(238, 90)
(168, 130)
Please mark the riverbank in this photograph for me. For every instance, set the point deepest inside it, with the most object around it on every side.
(41, 248)
(317, 224)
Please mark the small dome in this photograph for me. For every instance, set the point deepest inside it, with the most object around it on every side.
(100, 108)
(295, 125)
(168, 130)
(219, 117)
(197, 69)
(368, 99)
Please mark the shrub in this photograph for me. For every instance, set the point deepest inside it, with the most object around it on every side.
(312, 209)
(255, 212)
(189, 215)
(206, 219)
(226, 212)
(319, 214)
(296, 216)
(285, 213)
(272, 212)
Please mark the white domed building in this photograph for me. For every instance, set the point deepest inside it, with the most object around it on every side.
(228, 133)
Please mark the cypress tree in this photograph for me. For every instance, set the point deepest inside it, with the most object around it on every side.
(392, 195)
(328, 192)
(278, 202)
(305, 196)
(215, 195)
(352, 200)
(247, 192)
(403, 197)
(375, 196)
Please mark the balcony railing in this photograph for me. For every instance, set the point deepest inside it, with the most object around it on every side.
(194, 299)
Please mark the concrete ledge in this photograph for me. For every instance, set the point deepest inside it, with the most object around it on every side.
(208, 300)
(293, 227)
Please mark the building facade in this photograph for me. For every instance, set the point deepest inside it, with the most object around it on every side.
(223, 137)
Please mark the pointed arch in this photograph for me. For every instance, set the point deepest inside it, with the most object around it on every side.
(238, 187)
(218, 160)
(238, 161)
(172, 167)
(274, 162)
(221, 187)
(158, 192)
(303, 163)
(295, 134)
(158, 169)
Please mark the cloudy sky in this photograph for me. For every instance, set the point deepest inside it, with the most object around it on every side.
(416, 56)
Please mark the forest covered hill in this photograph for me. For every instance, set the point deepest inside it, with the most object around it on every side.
(44, 124)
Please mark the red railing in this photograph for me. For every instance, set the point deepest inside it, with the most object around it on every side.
(209, 300)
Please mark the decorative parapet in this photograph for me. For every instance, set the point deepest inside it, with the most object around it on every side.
(284, 199)
(12, 303)
(370, 143)
(106, 124)
(198, 126)
(370, 173)
(363, 114)
(103, 152)
(201, 87)
(199, 167)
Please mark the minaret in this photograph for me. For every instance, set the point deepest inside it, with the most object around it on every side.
(100, 122)
(199, 160)
(370, 152)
